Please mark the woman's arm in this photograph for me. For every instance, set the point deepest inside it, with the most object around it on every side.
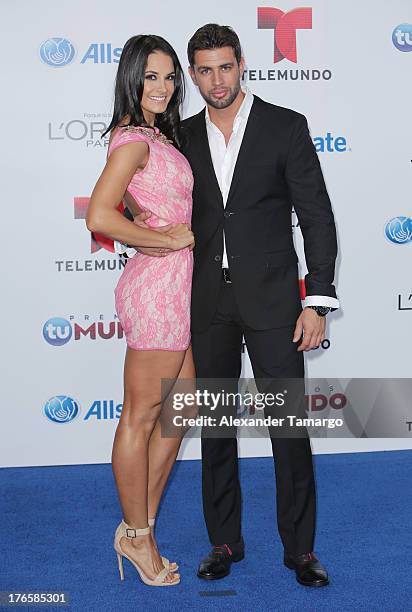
(103, 216)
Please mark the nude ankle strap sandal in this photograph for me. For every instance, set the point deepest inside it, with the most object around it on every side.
(172, 566)
(125, 531)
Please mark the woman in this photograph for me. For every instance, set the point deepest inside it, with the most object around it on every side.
(146, 169)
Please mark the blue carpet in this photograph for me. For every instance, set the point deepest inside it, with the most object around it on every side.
(57, 528)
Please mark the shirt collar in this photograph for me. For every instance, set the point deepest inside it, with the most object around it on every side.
(242, 113)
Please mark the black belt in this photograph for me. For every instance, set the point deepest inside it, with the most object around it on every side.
(226, 275)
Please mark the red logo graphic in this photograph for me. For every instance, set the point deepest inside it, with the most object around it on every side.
(97, 240)
(284, 26)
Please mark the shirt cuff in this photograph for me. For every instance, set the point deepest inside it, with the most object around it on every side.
(320, 300)
(119, 247)
(122, 249)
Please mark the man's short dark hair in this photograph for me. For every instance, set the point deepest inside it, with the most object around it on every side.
(213, 36)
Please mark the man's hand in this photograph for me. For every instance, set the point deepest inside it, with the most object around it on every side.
(140, 220)
(312, 326)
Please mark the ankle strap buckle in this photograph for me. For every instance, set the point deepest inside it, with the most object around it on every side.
(128, 534)
(136, 532)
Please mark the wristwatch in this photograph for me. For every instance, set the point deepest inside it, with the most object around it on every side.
(321, 310)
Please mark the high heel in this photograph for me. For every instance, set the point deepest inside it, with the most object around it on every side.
(120, 564)
(166, 561)
(125, 531)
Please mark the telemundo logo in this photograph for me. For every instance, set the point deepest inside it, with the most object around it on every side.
(402, 37)
(57, 331)
(399, 230)
(61, 409)
(57, 52)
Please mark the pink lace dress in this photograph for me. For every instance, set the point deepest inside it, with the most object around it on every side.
(153, 293)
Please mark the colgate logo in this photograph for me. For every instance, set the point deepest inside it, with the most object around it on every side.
(284, 26)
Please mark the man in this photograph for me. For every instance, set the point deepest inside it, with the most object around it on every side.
(252, 161)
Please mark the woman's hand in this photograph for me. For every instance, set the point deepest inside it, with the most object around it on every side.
(140, 220)
(180, 237)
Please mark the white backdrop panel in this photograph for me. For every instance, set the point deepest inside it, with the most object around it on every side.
(52, 153)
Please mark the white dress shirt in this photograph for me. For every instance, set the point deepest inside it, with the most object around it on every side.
(224, 157)
(224, 161)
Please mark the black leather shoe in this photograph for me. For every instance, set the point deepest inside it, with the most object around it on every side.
(309, 570)
(217, 564)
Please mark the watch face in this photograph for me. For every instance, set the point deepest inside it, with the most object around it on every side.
(322, 310)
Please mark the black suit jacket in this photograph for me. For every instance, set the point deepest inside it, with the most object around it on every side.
(277, 168)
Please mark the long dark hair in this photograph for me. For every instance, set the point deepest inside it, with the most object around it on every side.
(129, 86)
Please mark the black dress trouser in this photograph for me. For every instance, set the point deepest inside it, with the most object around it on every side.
(273, 355)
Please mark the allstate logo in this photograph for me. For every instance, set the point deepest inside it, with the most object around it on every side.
(57, 52)
(61, 409)
(57, 331)
(402, 37)
(399, 230)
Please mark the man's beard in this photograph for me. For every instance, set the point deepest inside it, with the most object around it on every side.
(226, 101)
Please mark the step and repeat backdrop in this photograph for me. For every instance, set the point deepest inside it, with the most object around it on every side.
(345, 65)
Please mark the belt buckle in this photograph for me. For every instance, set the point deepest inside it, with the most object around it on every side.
(226, 275)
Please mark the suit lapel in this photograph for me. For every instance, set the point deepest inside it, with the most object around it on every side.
(201, 143)
(250, 137)
(204, 158)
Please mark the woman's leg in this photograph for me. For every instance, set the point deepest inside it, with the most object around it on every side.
(163, 451)
(130, 458)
